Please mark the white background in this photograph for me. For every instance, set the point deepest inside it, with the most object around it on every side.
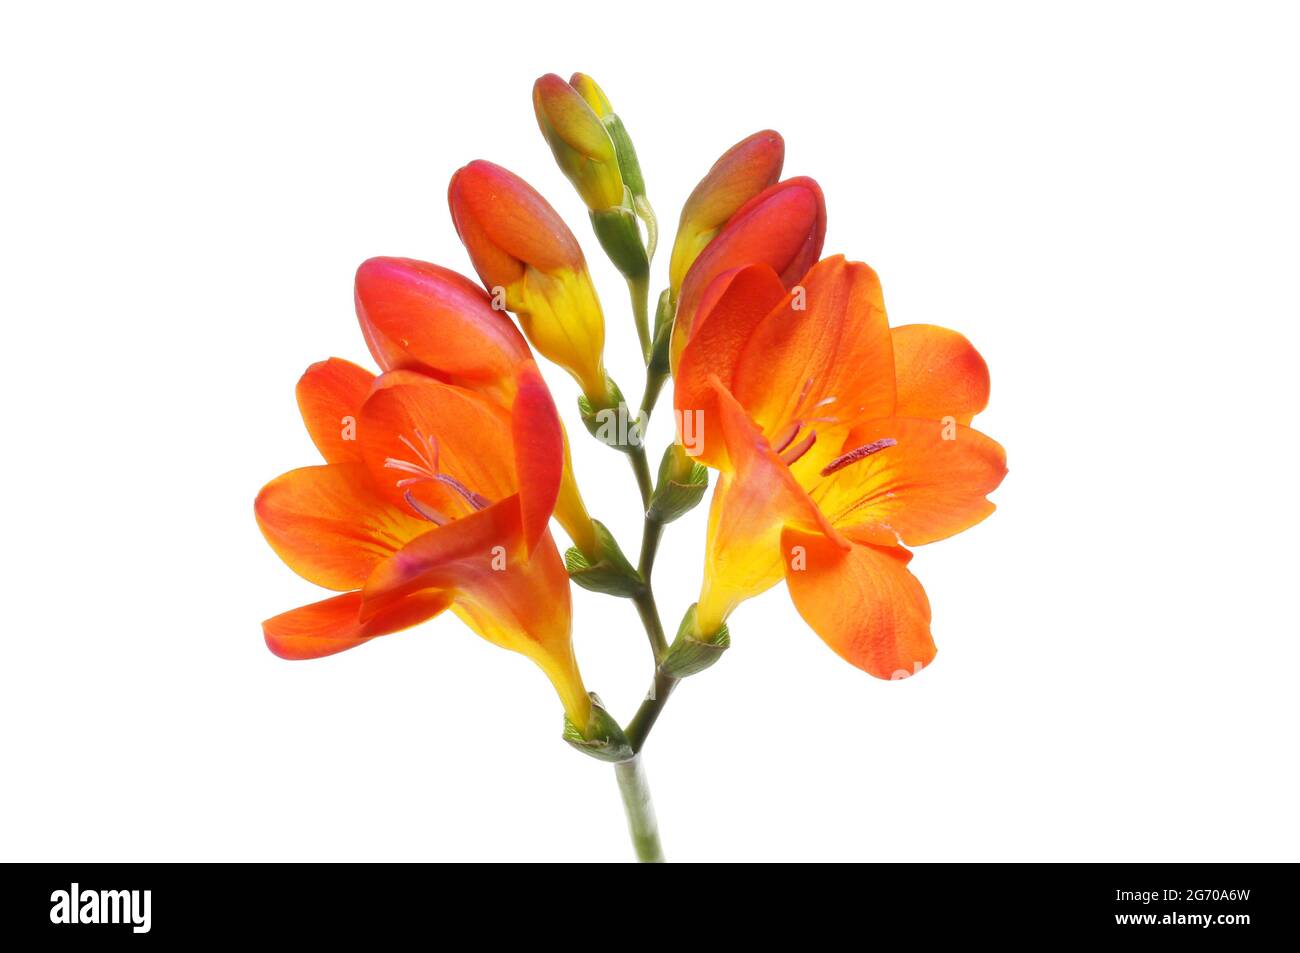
(1103, 197)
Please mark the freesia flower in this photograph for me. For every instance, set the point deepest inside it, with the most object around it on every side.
(433, 496)
(523, 251)
(741, 173)
(782, 227)
(839, 442)
(421, 317)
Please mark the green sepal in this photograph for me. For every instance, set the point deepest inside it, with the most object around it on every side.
(628, 164)
(690, 653)
(614, 425)
(603, 739)
(680, 487)
(665, 311)
(607, 570)
(620, 236)
(629, 168)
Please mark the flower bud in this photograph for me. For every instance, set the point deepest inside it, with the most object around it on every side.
(743, 171)
(418, 316)
(781, 227)
(579, 141)
(592, 148)
(531, 264)
(628, 164)
(593, 95)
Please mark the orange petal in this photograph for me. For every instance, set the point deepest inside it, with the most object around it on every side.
(331, 525)
(743, 171)
(522, 249)
(939, 374)
(515, 601)
(446, 557)
(929, 484)
(755, 464)
(755, 498)
(324, 628)
(330, 395)
(742, 556)
(863, 603)
(450, 448)
(830, 360)
(419, 316)
(793, 215)
(504, 223)
(539, 452)
(526, 607)
(737, 302)
(781, 227)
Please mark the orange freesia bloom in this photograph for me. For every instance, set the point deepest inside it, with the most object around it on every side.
(838, 441)
(781, 227)
(520, 245)
(741, 173)
(418, 316)
(439, 482)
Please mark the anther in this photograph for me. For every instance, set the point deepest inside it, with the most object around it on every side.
(856, 454)
(800, 448)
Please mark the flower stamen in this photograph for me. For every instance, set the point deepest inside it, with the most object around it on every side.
(426, 471)
(476, 500)
(856, 454)
(786, 436)
(428, 512)
(800, 448)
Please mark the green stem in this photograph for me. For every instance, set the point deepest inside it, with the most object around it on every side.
(640, 467)
(640, 809)
(645, 608)
(645, 600)
(654, 383)
(650, 536)
(631, 776)
(638, 729)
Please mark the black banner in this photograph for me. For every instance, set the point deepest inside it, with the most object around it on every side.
(132, 904)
